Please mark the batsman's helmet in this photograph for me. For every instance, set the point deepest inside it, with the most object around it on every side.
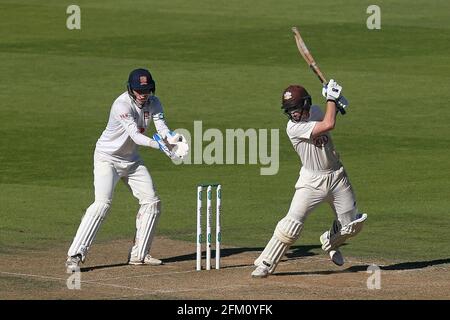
(295, 97)
(141, 81)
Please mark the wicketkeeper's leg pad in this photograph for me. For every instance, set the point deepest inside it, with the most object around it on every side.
(146, 221)
(286, 233)
(337, 235)
(90, 223)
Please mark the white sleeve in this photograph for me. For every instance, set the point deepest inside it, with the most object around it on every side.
(122, 113)
(301, 130)
(158, 117)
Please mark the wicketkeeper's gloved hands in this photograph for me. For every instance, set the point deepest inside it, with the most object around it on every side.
(175, 145)
(179, 142)
(163, 147)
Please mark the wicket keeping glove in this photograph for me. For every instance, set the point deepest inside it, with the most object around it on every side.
(163, 147)
(179, 142)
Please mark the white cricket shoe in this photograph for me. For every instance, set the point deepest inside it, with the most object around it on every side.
(324, 237)
(148, 260)
(73, 263)
(261, 271)
(337, 257)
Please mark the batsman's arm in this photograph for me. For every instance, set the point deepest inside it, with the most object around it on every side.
(328, 122)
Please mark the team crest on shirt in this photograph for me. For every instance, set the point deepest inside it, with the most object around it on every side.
(320, 141)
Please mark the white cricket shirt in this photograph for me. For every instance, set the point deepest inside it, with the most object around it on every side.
(125, 128)
(316, 154)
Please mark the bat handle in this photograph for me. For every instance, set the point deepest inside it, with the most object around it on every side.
(341, 104)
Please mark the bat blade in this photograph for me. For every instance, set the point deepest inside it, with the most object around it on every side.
(307, 56)
(341, 103)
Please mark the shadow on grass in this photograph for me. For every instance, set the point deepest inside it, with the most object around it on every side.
(363, 268)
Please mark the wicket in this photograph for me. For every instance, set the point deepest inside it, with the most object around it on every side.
(209, 187)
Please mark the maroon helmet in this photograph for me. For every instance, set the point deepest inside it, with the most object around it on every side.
(295, 97)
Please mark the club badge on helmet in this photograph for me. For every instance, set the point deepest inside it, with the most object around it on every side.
(141, 81)
(295, 98)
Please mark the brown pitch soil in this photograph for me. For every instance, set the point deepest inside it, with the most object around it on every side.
(105, 275)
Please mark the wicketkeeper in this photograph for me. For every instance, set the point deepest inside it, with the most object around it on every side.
(322, 179)
(116, 157)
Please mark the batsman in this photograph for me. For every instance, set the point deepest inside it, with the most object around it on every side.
(322, 179)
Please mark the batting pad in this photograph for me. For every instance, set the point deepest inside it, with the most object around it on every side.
(146, 222)
(331, 240)
(88, 228)
(286, 233)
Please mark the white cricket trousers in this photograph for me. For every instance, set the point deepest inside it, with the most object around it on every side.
(134, 174)
(313, 188)
(106, 175)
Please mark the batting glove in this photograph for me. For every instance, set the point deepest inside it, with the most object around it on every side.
(333, 90)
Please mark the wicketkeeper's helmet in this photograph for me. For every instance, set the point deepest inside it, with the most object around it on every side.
(141, 81)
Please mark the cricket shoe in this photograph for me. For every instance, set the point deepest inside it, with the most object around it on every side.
(73, 263)
(337, 257)
(148, 260)
(261, 271)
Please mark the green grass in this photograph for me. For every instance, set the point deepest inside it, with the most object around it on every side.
(226, 63)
